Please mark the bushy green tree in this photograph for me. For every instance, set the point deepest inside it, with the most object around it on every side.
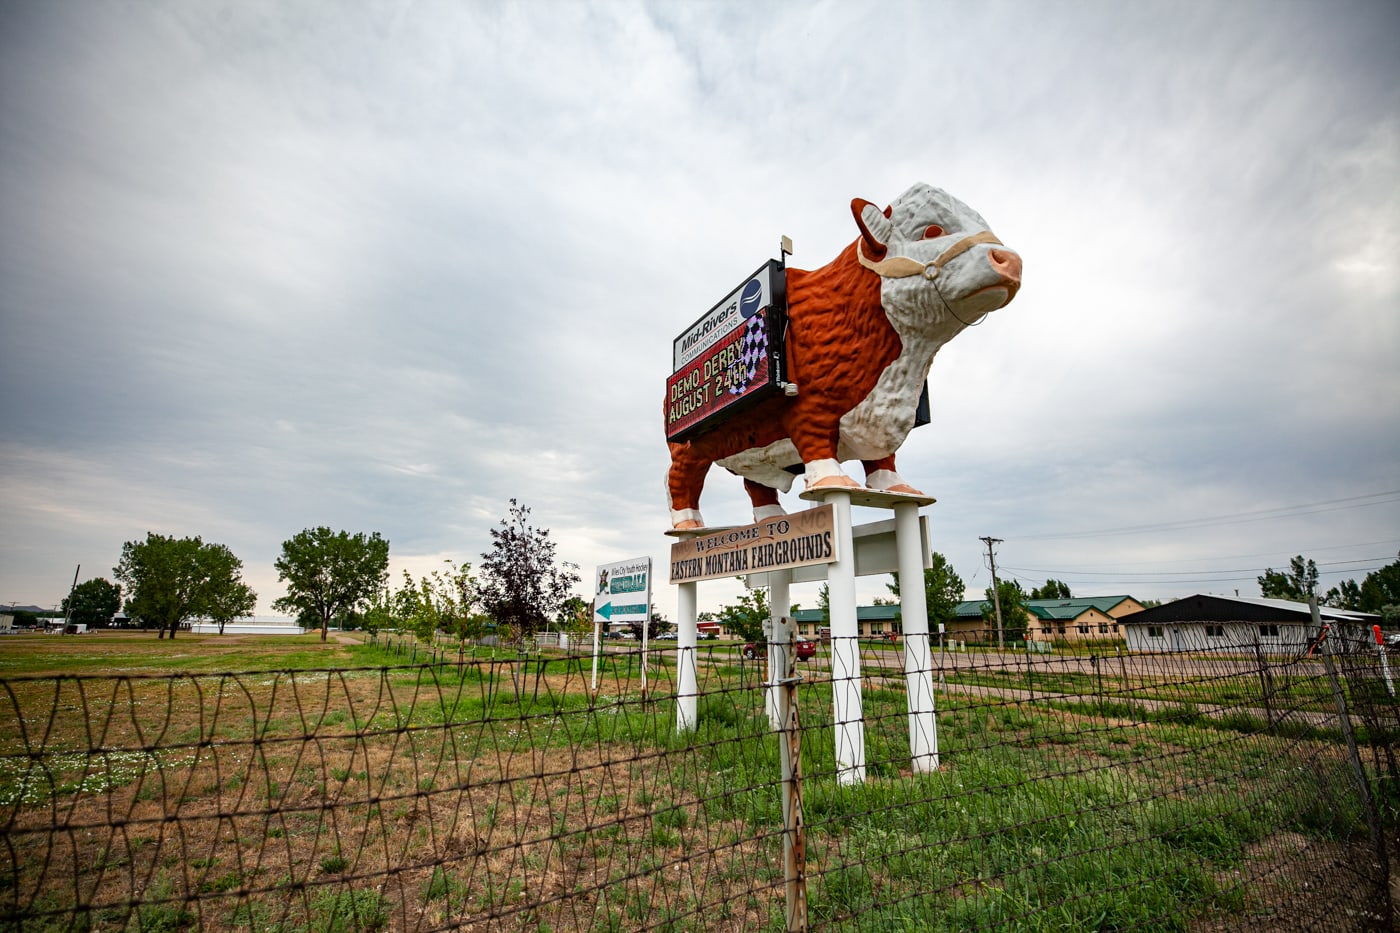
(1345, 595)
(93, 602)
(171, 580)
(943, 590)
(1053, 589)
(1297, 583)
(330, 575)
(1380, 591)
(1014, 613)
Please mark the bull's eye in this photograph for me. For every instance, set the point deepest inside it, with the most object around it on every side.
(933, 232)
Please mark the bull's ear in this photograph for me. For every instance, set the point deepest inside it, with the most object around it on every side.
(875, 227)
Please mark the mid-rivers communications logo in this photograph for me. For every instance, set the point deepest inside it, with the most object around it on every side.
(781, 543)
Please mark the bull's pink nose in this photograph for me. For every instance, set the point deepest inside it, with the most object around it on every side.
(1006, 263)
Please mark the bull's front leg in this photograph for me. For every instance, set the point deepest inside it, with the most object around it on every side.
(815, 439)
(880, 474)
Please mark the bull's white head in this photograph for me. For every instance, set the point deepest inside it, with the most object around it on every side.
(938, 261)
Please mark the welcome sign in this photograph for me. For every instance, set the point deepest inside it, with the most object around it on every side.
(781, 543)
(730, 357)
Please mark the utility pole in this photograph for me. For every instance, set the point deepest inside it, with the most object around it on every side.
(996, 590)
(68, 612)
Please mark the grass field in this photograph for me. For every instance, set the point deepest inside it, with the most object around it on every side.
(282, 783)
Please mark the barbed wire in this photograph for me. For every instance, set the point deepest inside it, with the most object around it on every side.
(1219, 788)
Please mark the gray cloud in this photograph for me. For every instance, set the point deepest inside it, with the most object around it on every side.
(268, 267)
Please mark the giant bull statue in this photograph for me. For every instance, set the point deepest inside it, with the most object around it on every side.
(862, 334)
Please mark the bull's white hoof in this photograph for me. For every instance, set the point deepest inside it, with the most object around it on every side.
(890, 481)
(834, 482)
(685, 519)
(827, 474)
(765, 512)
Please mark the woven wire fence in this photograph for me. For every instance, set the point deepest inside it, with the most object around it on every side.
(1221, 789)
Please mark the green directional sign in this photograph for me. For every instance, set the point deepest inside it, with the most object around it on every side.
(623, 591)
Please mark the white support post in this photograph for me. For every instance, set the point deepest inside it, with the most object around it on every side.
(780, 607)
(848, 715)
(918, 654)
(597, 649)
(687, 679)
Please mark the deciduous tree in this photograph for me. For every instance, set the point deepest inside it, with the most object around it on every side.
(522, 586)
(170, 581)
(330, 575)
(230, 598)
(1053, 589)
(1014, 614)
(1297, 583)
(943, 590)
(93, 602)
(745, 619)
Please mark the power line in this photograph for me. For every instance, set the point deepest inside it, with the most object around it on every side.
(1340, 565)
(1292, 511)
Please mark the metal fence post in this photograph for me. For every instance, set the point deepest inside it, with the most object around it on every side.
(1266, 683)
(790, 757)
(1363, 786)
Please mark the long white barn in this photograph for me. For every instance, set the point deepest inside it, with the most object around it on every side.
(1208, 623)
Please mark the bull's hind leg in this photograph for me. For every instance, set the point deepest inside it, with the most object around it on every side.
(880, 474)
(764, 499)
(684, 483)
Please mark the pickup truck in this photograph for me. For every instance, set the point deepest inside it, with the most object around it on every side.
(805, 649)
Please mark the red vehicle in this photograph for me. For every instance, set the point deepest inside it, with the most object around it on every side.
(805, 649)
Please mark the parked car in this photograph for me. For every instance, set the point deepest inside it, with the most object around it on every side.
(667, 636)
(805, 649)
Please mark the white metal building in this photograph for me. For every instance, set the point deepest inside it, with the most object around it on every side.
(1219, 623)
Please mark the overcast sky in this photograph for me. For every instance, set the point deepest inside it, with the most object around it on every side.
(382, 267)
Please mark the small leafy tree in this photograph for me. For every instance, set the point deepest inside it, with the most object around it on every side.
(1297, 583)
(745, 619)
(1345, 595)
(522, 587)
(230, 598)
(93, 602)
(330, 575)
(656, 624)
(172, 580)
(455, 594)
(380, 616)
(574, 617)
